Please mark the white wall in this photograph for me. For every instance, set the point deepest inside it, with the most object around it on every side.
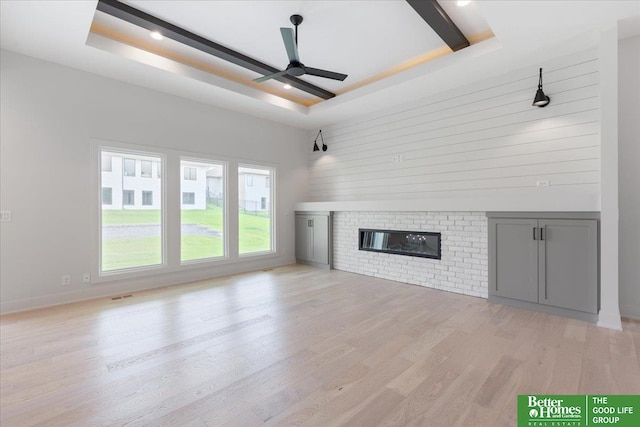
(49, 114)
(629, 175)
(480, 141)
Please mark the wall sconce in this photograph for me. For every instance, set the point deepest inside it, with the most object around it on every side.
(315, 142)
(541, 100)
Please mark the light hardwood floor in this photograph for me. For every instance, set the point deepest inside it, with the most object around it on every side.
(299, 346)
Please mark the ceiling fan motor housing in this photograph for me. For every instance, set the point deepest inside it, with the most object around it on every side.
(295, 68)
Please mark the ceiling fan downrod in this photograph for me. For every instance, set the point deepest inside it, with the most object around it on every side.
(296, 20)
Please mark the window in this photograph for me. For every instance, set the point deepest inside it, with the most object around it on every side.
(106, 163)
(267, 182)
(129, 167)
(128, 198)
(106, 196)
(255, 215)
(190, 173)
(202, 215)
(188, 198)
(159, 169)
(131, 235)
(145, 168)
(147, 198)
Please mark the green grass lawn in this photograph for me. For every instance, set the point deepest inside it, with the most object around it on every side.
(254, 236)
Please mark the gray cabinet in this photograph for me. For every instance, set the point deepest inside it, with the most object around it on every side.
(313, 238)
(546, 262)
(516, 259)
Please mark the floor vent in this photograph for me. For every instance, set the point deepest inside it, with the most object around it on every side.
(121, 297)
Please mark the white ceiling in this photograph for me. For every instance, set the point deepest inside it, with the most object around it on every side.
(359, 38)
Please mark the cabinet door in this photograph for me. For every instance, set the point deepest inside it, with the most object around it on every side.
(513, 254)
(320, 239)
(303, 238)
(569, 264)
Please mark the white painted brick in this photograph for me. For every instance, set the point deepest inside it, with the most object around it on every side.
(462, 269)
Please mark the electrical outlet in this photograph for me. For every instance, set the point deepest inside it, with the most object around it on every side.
(5, 216)
(542, 183)
(86, 278)
(66, 280)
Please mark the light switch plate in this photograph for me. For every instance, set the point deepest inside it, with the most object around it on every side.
(5, 216)
(542, 183)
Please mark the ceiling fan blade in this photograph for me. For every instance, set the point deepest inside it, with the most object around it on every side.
(324, 73)
(290, 44)
(270, 76)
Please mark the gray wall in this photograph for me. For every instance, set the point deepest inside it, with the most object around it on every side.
(629, 176)
(49, 114)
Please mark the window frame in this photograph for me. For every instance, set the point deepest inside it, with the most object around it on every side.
(99, 275)
(188, 177)
(133, 197)
(147, 193)
(214, 161)
(193, 198)
(102, 164)
(124, 168)
(169, 205)
(272, 209)
(110, 196)
(142, 172)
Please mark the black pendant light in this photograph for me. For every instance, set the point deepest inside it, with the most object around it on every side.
(315, 142)
(541, 100)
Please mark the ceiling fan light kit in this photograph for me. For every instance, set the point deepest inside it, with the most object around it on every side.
(295, 67)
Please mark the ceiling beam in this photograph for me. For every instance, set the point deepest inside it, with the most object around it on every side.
(151, 23)
(437, 18)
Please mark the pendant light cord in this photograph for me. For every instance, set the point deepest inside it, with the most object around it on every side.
(540, 80)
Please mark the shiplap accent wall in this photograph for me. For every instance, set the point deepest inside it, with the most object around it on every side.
(482, 140)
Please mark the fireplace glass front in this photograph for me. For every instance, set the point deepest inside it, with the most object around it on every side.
(411, 243)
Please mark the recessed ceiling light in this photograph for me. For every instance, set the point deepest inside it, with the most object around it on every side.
(156, 35)
(461, 3)
(287, 86)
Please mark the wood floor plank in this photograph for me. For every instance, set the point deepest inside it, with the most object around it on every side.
(298, 346)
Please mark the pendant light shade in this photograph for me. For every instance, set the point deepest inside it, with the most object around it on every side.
(541, 100)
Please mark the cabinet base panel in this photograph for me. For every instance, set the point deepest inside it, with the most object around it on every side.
(314, 264)
(565, 312)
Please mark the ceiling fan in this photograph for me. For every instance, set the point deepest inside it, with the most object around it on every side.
(295, 67)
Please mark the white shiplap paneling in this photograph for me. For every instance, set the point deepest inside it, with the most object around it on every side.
(481, 140)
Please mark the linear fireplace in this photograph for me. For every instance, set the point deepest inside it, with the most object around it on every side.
(411, 243)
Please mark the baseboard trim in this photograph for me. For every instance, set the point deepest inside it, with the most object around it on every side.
(102, 290)
(609, 320)
(629, 311)
(314, 264)
(557, 311)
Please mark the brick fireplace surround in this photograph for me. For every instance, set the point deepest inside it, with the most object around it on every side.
(464, 265)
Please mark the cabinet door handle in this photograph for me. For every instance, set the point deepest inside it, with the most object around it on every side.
(534, 233)
(542, 233)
